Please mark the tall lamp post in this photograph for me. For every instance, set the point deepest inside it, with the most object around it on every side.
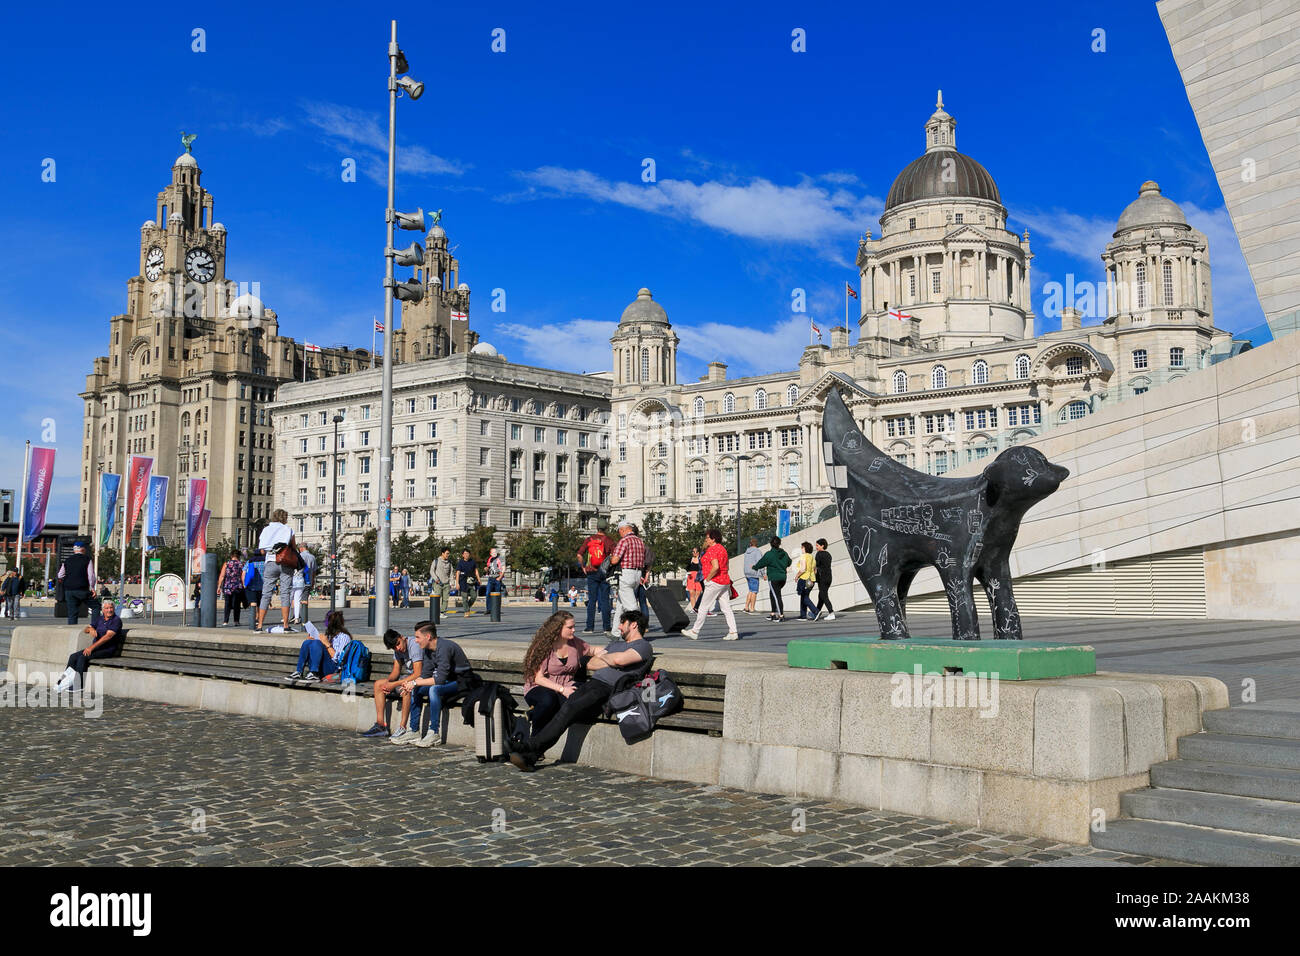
(796, 486)
(334, 522)
(739, 459)
(410, 291)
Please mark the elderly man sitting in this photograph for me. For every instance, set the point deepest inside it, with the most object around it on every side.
(108, 634)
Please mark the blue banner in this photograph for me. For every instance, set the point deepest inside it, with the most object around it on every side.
(108, 486)
(783, 523)
(157, 505)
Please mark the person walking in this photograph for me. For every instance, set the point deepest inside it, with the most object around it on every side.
(717, 586)
(231, 587)
(694, 587)
(774, 563)
(282, 559)
(752, 554)
(593, 556)
(629, 558)
(77, 572)
(405, 586)
(253, 584)
(805, 572)
(496, 573)
(467, 580)
(440, 576)
(823, 559)
(9, 592)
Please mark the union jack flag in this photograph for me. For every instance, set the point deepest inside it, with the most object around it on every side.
(379, 326)
(849, 289)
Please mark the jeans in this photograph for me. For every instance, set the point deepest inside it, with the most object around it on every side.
(74, 600)
(543, 704)
(435, 693)
(722, 594)
(80, 663)
(806, 606)
(234, 602)
(597, 594)
(586, 701)
(314, 656)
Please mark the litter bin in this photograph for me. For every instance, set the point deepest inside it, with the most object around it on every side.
(494, 606)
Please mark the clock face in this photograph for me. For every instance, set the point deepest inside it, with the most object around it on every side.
(153, 264)
(200, 265)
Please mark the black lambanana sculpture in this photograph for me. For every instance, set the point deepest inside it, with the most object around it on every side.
(897, 520)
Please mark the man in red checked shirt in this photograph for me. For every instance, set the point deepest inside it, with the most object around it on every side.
(629, 559)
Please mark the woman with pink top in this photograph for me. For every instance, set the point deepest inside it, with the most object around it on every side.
(551, 666)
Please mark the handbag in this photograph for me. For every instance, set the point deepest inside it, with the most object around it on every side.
(288, 557)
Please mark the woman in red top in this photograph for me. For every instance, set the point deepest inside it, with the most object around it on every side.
(717, 586)
(551, 666)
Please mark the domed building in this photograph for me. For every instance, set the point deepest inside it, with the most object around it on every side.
(947, 369)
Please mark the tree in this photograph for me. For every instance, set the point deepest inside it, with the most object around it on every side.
(361, 553)
(564, 539)
(526, 551)
(476, 542)
(404, 552)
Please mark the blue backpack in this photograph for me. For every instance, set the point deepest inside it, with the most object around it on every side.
(355, 665)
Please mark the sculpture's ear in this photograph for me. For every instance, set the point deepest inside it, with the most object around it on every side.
(992, 487)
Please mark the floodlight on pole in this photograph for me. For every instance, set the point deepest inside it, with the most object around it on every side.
(408, 291)
(414, 88)
(412, 255)
(409, 220)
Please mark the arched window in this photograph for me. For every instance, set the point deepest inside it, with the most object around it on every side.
(661, 450)
(979, 373)
(1074, 411)
(760, 398)
(1141, 277)
(699, 406)
(791, 394)
(939, 377)
(645, 365)
(1022, 366)
(1168, 276)
(1139, 358)
(185, 420)
(900, 382)
(728, 403)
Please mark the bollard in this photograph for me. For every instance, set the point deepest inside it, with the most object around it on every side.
(207, 609)
(555, 601)
(370, 613)
(494, 606)
(435, 608)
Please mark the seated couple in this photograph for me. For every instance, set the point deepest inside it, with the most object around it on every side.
(426, 668)
(551, 667)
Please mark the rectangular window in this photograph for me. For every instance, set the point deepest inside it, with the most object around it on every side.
(365, 439)
(1176, 358)
(433, 403)
(582, 439)
(410, 433)
(760, 478)
(539, 519)
(516, 432)
(302, 496)
(324, 418)
(431, 458)
(302, 468)
(539, 489)
(365, 465)
(622, 487)
(539, 434)
(484, 427)
(433, 487)
(410, 406)
(410, 461)
(622, 451)
(483, 518)
(321, 469)
(302, 445)
(699, 482)
(936, 282)
(365, 412)
(561, 436)
(323, 445)
(516, 519)
(410, 487)
(515, 485)
(320, 495)
(484, 487)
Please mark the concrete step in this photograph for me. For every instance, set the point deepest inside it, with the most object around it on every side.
(1190, 844)
(1266, 783)
(1256, 751)
(1277, 719)
(1223, 811)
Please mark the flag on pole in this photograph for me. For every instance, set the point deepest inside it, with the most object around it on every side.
(849, 289)
(200, 543)
(40, 475)
(459, 316)
(157, 506)
(137, 491)
(198, 496)
(310, 348)
(108, 486)
(899, 314)
(379, 326)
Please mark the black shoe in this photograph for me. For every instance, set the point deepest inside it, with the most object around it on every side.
(523, 761)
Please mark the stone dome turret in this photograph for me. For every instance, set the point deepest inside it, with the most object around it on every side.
(644, 309)
(483, 348)
(217, 227)
(1150, 209)
(437, 232)
(149, 224)
(185, 159)
(941, 172)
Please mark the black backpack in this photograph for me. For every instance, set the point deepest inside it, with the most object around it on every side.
(641, 699)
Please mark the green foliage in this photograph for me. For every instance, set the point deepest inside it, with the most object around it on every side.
(476, 542)
(405, 550)
(564, 538)
(527, 551)
(361, 553)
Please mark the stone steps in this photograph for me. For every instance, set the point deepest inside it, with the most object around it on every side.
(1277, 818)
(1232, 798)
(1252, 750)
(1193, 844)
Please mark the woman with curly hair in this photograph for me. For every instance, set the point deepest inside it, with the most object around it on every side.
(551, 667)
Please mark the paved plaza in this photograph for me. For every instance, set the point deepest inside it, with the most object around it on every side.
(149, 784)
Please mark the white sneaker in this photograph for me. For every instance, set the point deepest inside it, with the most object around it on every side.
(399, 735)
(733, 636)
(692, 634)
(428, 740)
(830, 617)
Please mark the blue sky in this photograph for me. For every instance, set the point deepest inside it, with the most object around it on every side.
(769, 164)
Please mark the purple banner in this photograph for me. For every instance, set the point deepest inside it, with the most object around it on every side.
(157, 505)
(137, 490)
(39, 479)
(198, 497)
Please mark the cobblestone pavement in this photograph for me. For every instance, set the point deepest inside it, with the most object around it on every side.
(152, 784)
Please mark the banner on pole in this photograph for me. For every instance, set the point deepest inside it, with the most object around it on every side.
(200, 546)
(157, 506)
(198, 496)
(39, 478)
(137, 491)
(108, 488)
(783, 523)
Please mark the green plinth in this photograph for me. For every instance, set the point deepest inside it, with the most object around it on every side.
(1011, 660)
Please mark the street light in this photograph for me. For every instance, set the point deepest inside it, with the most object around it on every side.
(792, 483)
(739, 459)
(406, 292)
(334, 522)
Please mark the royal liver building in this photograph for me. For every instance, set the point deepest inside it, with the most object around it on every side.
(946, 369)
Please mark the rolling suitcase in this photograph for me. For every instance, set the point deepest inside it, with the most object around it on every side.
(490, 734)
(671, 615)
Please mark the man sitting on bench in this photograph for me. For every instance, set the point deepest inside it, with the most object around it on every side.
(631, 655)
(405, 654)
(448, 674)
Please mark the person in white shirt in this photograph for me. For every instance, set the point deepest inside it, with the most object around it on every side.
(276, 537)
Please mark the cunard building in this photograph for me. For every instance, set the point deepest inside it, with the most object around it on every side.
(947, 368)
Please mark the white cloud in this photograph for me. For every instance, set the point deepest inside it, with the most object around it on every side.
(578, 345)
(1083, 237)
(362, 128)
(759, 209)
(1235, 302)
